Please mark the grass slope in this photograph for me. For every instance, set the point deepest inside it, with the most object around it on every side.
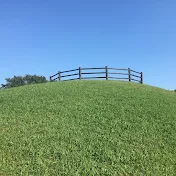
(87, 128)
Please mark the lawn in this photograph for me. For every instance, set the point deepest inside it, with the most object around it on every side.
(87, 128)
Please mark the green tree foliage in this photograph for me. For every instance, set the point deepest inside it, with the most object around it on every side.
(34, 79)
(20, 81)
(3, 86)
(175, 90)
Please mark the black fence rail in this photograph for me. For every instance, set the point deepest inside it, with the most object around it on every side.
(99, 73)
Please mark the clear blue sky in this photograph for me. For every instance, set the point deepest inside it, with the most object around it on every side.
(42, 37)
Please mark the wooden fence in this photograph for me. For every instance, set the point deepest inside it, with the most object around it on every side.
(98, 73)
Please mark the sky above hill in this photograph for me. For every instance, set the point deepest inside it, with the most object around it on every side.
(42, 37)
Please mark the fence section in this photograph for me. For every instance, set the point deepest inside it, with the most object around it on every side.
(105, 73)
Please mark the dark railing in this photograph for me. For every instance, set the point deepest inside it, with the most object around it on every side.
(99, 73)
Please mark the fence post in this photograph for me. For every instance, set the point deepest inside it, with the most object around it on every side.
(80, 73)
(50, 79)
(129, 74)
(59, 76)
(141, 78)
(106, 70)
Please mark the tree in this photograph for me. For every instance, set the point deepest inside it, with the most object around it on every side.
(3, 86)
(175, 90)
(20, 81)
(34, 79)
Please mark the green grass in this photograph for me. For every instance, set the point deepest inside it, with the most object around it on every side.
(87, 128)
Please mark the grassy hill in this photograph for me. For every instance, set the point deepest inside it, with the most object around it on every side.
(87, 128)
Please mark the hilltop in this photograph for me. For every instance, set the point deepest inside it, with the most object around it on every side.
(87, 128)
